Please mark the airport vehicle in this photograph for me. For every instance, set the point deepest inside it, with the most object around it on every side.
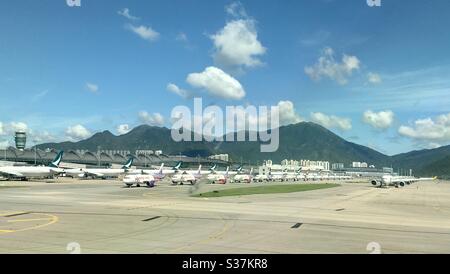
(25, 172)
(102, 173)
(138, 179)
(244, 178)
(397, 181)
(187, 177)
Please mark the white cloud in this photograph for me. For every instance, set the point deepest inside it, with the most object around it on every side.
(288, 113)
(146, 33)
(182, 37)
(237, 45)
(42, 137)
(126, 13)
(123, 129)
(331, 121)
(236, 9)
(435, 130)
(155, 119)
(379, 120)
(92, 87)
(217, 83)
(374, 78)
(17, 126)
(2, 130)
(327, 66)
(77, 132)
(39, 95)
(178, 91)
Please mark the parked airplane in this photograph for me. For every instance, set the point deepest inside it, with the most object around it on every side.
(218, 178)
(158, 174)
(244, 178)
(138, 179)
(277, 176)
(26, 172)
(187, 176)
(397, 181)
(102, 173)
(260, 178)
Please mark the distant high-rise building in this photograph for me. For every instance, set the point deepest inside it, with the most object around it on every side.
(337, 166)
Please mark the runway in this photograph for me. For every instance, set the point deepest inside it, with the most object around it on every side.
(68, 216)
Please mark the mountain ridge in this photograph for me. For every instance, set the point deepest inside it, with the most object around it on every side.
(305, 140)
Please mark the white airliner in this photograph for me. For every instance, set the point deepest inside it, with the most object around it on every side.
(102, 173)
(278, 176)
(138, 179)
(260, 178)
(397, 181)
(26, 172)
(244, 178)
(219, 178)
(158, 174)
(187, 176)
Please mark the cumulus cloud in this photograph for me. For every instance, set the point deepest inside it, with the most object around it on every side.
(17, 126)
(126, 13)
(374, 78)
(217, 83)
(9, 129)
(236, 9)
(434, 130)
(92, 87)
(328, 67)
(42, 137)
(123, 129)
(146, 33)
(77, 132)
(379, 120)
(237, 45)
(331, 121)
(155, 119)
(178, 91)
(288, 114)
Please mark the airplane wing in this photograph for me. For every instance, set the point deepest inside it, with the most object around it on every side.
(11, 173)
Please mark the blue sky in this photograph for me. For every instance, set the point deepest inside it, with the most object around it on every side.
(377, 76)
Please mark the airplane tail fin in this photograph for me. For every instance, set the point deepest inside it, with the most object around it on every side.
(161, 168)
(213, 167)
(128, 163)
(55, 163)
(199, 171)
(177, 166)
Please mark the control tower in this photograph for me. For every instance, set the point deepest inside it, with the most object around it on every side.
(21, 140)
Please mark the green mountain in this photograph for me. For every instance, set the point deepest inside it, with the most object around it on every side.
(439, 168)
(427, 162)
(299, 141)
